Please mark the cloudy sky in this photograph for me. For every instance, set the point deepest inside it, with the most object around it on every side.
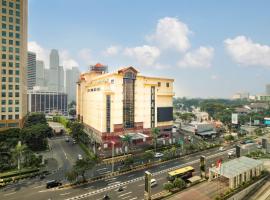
(211, 48)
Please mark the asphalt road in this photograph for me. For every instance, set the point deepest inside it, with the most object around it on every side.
(133, 183)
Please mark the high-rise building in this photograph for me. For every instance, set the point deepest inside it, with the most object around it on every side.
(72, 76)
(267, 89)
(61, 79)
(54, 59)
(55, 78)
(112, 105)
(40, 73)
(31, 70)
(13, 63)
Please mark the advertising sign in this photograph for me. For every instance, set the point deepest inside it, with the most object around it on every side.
(234, 118)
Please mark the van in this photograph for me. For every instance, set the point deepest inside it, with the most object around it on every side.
(53, 183)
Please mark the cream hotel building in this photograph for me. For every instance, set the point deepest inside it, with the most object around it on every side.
(13, 61)
(123, 102)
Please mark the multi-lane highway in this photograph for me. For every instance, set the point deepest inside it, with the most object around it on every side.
(133, 183)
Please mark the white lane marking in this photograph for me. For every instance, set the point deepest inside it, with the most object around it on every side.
(38, 186)
(126, 197)
(122, 187)
(102, 169)
(110, 179)
(65, 194)
(90, 187)
(65, 154)
(134, 198)
(131, 175)
(114, 183)
(141, 185)
(124, 194)
(9, 194)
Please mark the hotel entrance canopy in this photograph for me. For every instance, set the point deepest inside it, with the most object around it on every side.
(136, 136)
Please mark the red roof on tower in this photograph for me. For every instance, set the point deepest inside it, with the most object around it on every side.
(99, 65)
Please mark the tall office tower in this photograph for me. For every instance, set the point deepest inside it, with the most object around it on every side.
(40, 73)
(72, 76)
(267, 88)
(31, 70)
(54, 59)
(60, 79)
(13, 63)
(52, 79)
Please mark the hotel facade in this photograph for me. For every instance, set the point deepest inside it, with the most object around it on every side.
(111, 105)
(13, 63)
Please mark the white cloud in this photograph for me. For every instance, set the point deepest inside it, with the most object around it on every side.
(200, 57)
(145, 55)
(42, 53)
(66, 59)
(112, 50)
(86, 57)
(214, 77)
(171, 33)
(244, 51)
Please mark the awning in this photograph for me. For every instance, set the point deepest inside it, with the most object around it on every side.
(135, 136)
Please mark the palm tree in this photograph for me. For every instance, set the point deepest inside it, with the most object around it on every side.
(18, 153)
(126, 140)
(155, 134)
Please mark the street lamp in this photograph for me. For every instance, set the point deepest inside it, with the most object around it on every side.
(113, 143)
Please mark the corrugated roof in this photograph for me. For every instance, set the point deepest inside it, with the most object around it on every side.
(237, 166)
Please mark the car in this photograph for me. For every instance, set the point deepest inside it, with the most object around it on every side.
(53, 183)
(231, 153)
(221, 149)
(80, 157)
(153, 182)
(158, 155)
(67, 139)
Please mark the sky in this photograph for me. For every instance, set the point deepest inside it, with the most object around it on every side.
(213, 49)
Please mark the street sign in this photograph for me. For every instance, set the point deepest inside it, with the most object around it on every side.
(234, 118)
(147, 185)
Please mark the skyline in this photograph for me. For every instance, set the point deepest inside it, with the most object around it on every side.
(211, 50)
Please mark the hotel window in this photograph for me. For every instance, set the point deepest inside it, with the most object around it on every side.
(10, 57)
(10, 72)
(11, 20)
(4, 10)
(4, 18)
(17, 21)
(10, 34)
(11, 4)
(17, 43)
(4, 56)
(3, 109)
(3, 87)
(3, 94)
(4, 2)
(17, 13)
(10, 64)
(10, 12)
(11, 27)
(17, 87)
(10, 116)
(16, 116)
(17, 94)
(152, 107)
(4, 71)
(3, 117)
(17, 102)
(10, 49)
(10, 79)
(4, 79)
(3, 102)
(17, 109)
(4, 33)
(4, 41)
(167, 84)
(10, 94)
(159, 84)
(10, 102)
(18, 6)
(4, 64)
(10, 87)
(4, 48)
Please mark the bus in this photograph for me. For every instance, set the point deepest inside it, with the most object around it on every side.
(183, 173)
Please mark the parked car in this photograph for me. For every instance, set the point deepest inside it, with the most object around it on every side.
(53, 183)
(158, 155)
(221, 149)
(153, 182)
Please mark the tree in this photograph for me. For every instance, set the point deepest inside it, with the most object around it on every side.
(179, 183)
(72, 112)
(126, 140)
(71, 175)
(148, 155)
(83, 165)
(168, 186)
(18, 153)
(35, 118)
(155, 133)
(76, 129)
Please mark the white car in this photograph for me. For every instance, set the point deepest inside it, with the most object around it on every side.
(231, 153)
(158, 155)
(221, 149)
(153, 182)
(80, 157)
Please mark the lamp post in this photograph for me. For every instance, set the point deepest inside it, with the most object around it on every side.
(113, 143)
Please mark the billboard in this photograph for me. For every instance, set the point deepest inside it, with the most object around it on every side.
(267, 121)
(234, 118)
